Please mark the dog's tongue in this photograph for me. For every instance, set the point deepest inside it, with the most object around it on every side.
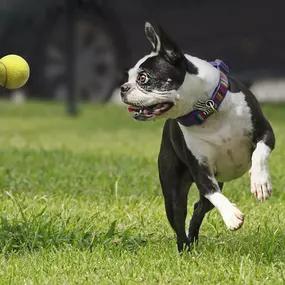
(131, 109)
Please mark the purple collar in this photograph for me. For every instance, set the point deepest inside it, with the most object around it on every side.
(204, 109)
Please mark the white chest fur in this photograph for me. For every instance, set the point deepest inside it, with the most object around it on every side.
(223, 141)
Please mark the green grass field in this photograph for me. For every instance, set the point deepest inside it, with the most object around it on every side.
(81, 204)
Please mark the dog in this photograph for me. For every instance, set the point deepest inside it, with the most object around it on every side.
(214, 132)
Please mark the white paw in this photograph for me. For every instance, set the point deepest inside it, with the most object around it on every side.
(233, 218)
(261, 186)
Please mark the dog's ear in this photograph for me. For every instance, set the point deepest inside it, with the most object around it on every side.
(152, 36)
(169, 49)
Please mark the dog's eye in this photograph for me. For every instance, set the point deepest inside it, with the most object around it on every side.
(142, 78)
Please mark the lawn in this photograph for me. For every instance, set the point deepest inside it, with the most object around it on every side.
(81, 204)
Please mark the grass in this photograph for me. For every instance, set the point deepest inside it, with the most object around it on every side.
(81, 204)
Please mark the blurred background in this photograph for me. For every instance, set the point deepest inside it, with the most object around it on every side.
(77, 49)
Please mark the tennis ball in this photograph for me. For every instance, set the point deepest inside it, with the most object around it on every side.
(14, 71)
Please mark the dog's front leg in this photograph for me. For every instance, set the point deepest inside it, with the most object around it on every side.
(260, 178)
(209, 189)
(175, 180)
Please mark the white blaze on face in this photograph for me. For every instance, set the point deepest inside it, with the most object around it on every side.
(194, 88)
(139, 96)
(133, 72)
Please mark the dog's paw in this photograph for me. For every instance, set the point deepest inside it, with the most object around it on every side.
(261, 186)
(233, 218)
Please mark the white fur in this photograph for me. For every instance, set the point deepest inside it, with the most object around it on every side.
(260, 179)
(195, 87)
(223, 141)
(183, 99)
(133, 72)
(232, 216)
(207, 73)
(140, 97)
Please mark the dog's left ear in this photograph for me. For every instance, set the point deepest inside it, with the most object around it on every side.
(162, 44)
(152, 36)
(169, 49)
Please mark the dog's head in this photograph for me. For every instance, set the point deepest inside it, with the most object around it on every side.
(155, 84)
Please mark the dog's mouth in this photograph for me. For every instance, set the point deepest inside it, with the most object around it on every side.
(149, 112)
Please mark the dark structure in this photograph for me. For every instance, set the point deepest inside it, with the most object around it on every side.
(105, 37)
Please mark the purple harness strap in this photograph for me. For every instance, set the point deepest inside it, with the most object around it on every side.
(204, 109)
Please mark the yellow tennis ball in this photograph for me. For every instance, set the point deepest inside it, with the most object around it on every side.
(14, 71)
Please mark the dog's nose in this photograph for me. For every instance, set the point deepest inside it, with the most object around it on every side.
(125, 88)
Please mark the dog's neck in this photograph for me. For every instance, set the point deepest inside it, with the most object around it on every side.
(197, 87)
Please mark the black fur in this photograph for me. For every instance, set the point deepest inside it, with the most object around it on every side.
(178, 169)
(173, 54)
(168, 68)
(160, 71)
(152, 36)
(262, 128)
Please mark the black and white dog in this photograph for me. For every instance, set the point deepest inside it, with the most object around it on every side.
(215, 132)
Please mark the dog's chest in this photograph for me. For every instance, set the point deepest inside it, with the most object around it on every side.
(223, 142)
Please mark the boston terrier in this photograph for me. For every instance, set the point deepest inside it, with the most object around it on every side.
(214, 132)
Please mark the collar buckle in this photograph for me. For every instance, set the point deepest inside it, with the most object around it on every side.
(204, 109)
(208, 107)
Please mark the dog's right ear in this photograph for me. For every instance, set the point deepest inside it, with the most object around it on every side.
(152, 36)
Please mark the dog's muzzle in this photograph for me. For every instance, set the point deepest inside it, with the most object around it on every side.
(147, 113)
(124, 89)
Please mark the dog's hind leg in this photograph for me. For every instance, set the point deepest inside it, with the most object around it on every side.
(175, 180)
(201, 208)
